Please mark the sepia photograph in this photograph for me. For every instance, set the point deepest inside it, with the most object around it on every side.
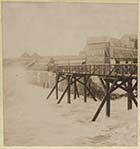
(70, 73)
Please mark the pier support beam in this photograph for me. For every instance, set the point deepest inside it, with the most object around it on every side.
(55, 86)
(85, 89)
(69, 89)
(57, 80)
(88, 89)
(75, 89)
(129, 102)
(119, 83)
(109, 91)
(107, 98)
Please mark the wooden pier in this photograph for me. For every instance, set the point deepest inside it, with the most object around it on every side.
(112, 77)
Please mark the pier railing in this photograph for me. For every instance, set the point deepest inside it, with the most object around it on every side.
(100, 69)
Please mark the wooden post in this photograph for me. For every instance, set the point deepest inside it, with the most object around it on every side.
(69, 89)
(74, 90)
(99, 109)
(107, 98)
(54, 88)
(134, 100)
(85, 90)
(103, 83)
(89, 85)
(57, 79)
(77, 92)
(51, 92)
(104, 100)
(88, 90)
(129, 101)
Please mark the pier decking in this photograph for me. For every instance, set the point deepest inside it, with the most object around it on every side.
(105, 70)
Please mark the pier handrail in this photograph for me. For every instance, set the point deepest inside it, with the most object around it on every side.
(100, 69)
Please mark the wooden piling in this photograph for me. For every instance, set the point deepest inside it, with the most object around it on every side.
(129, 100)
(85, 90)
(75, 87)
(77, 92)
(104, 100)
(69, 89)
(107, 98)
(57, 79)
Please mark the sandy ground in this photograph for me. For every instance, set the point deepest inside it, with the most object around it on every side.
(30, 119)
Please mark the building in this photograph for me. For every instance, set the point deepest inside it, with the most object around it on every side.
(96, 50)
(99, 50)
(124, 50)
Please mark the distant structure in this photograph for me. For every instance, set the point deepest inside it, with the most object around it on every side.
(35, 55)
(99, 50)
(25, 55)
(28, 60)
(69, 59)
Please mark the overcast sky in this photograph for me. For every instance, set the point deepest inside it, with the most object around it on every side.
(62, 28)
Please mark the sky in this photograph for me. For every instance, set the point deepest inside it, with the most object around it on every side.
(62, 28)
